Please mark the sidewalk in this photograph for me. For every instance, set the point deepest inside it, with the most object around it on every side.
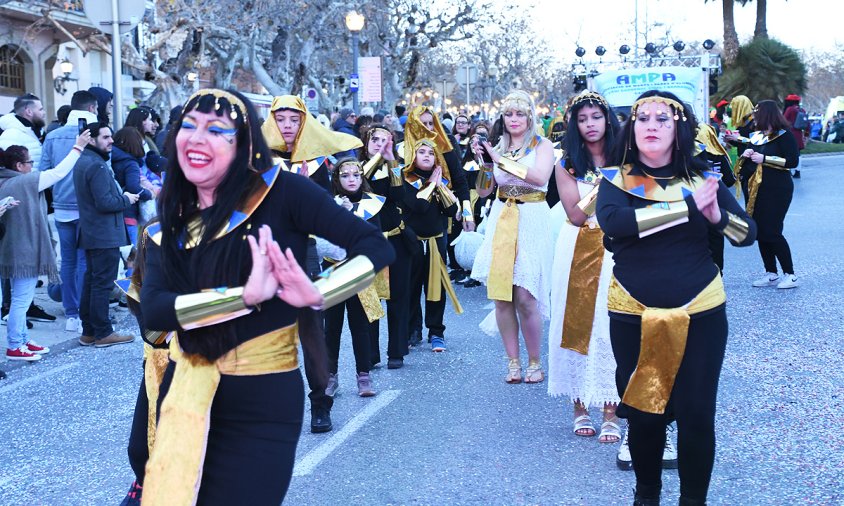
(51, 334)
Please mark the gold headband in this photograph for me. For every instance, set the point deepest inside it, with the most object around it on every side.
(678, 107)
(590, 96)
(375, 129)
(515, 102)
(218, 94)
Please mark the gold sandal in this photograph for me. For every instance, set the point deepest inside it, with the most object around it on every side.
(514, 371)
(534, 373)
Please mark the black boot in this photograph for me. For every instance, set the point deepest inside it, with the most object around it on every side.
(415, 338)
(320, 420)
(646, 495)
(2, 375)
(685, 501)
(796, 174)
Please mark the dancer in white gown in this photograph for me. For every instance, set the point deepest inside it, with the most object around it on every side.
(580, 359)
(514, 260)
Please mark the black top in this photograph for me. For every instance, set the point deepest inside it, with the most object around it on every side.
(669, 268)
(459, 185)
(743, 131)
(425, 218)
(784, 146)
(320, 176)
(294, 208)
(391, 213)
(720, 164)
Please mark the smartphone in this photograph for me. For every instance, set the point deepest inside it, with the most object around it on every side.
(6, 201)
(82, 124)
(484, 155)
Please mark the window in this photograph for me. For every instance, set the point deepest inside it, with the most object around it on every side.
(11, 72)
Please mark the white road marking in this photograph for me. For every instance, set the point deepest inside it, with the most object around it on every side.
(309, 462)
(35, 378)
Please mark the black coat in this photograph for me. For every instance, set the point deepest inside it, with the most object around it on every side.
(101, 203)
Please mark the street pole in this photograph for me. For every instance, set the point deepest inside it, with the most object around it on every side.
(468, 88)
(116, 64)
(354, 66)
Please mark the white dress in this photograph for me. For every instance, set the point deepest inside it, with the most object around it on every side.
(534, 244)
(590, 378)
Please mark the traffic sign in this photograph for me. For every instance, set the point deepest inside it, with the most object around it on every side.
(130, 14)
(466, 74)
(354, 83)
(311, 98)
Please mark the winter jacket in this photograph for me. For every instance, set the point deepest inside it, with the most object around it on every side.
(345, 127)
(16, 133)
(127, 172)
(57, 145)
(790, 115)
(101, 203)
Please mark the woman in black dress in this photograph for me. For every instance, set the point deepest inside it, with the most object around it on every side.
(668, 323)
(223, 271)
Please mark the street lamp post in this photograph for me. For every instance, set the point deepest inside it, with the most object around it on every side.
(354, 22)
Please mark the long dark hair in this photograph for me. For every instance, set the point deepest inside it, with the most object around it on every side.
(225, 261)
(580, 159)
(130, 140)
(136, 118)
(682, 161)
(769, 117)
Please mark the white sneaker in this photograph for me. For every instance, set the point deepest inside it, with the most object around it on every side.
(788, 281)
(769, 279)
(623, 459)
(669, 453)
(73, 325)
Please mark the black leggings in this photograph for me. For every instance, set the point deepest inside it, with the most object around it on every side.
(774, 250)
(398, 305)
(434, 309)
(137, 449)
(255, 426)
(358, 327)
(692, 404)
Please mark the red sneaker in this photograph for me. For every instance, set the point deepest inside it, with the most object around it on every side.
(34, 347)
(22, 354)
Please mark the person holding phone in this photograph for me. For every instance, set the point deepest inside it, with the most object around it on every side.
(31, 253)
(516, 256)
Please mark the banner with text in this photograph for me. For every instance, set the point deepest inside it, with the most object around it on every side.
(622, 87)
(369, 69)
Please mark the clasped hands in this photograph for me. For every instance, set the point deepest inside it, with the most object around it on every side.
(276, 273)
(753, 155)
(706, 200)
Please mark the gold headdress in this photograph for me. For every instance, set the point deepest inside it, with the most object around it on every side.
(742, 111)
(312, 141)
(590, 97)
(235, 102)
(678, 107)
(414, 130)
(438, 156)
(349, 166)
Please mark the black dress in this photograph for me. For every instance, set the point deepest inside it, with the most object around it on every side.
(256, 420)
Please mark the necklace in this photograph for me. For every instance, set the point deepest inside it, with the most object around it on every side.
(655, 177)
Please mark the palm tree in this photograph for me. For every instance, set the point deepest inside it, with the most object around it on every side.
(764, 69)
(761, 30)
(731, 42)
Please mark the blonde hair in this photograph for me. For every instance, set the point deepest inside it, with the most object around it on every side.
(518, 100)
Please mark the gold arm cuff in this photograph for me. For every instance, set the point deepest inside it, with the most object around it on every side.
(484, 181)
(736, 230)
(588, 203)
(659, 216)
(513, 167)
(395, 175)
(445, 196)
(372, 165)
(774, 160)
(210, 307)
(345, 279)
(426, 192)
(467, 211)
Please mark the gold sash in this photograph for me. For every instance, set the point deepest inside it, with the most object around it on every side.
(582, 293)
(382, 283)
(369, 296)
(155, 363)
(663, 344)
(438, 275)
(505, 243)
(174, 470)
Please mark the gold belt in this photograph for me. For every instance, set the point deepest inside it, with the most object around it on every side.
(438, 275)
(582, 292)
(505, 241)
(663, 342)
(174, 469)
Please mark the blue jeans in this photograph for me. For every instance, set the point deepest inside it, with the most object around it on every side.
(73, 265)
(23, 292)
(99, 280)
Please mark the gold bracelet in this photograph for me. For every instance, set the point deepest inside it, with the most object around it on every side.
(446, 198)
(736, 229)
(588, 203)
(210, 307)
(513, 167)
(342, 280)
(650, 218)
(485, 178)
(426, 192)
(395, 176)
(370, 166)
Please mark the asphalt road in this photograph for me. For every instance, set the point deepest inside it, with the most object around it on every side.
(446, 429)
